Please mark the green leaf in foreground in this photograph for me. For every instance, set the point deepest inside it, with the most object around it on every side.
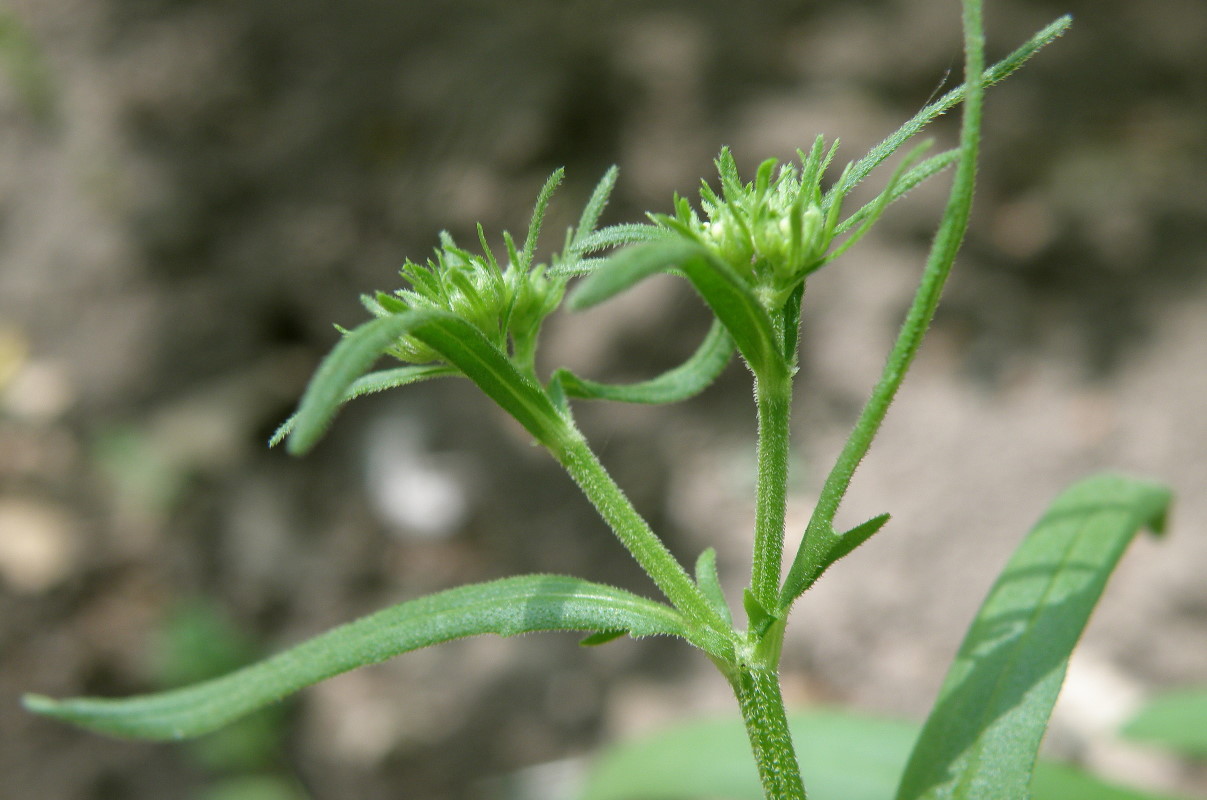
(845, 756)
(983, 733)
(1175, 719)
(505, 607)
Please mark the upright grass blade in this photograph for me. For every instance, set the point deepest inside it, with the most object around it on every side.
(675, 385)
(982, 736)
(458, 341)
(505, 607)
(725, 292)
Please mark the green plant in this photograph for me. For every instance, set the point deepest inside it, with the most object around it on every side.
(748, 251)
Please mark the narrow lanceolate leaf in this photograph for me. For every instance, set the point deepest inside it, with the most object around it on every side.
(349, 360)
(505, 607)
(684, 381)
(725, 292)
(998, 72)
(710, 583)
(822, 550)
(981, 738)
(459, 342)
(372, 383)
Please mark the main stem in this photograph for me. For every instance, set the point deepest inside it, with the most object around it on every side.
(774, 407)
(762, 704)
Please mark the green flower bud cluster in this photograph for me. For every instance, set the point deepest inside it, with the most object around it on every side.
(506, 304)
(502, 303)
(774, 230)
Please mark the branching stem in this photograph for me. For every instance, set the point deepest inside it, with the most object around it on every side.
(576, 456)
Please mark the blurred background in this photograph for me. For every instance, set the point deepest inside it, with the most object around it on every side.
(191, 193)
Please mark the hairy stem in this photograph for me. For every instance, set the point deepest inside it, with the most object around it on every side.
(576, 456)
(774, 399)
(762, 704)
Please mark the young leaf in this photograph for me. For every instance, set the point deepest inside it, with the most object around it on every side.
(710, 583)
(981, 738)
(760, 618)
(994, 74)
(372, 383)
(505, 607)
(721, 288)
(675, 385)
(596, 205)
(910, 180)
(349, 360)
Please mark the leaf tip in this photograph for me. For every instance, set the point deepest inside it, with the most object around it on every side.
(601, 637)
(40, 704)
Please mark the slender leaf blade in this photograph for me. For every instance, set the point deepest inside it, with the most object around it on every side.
(374, 382)
(995, 74)
(349, 360)
(596, 205)
(709, 582)
(982, 736)
(538, 217)
(505, 607)
(675, 385)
